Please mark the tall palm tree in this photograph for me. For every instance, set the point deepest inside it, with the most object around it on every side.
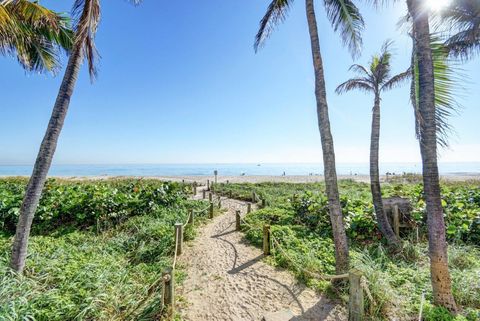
(440, 276)
(375, 79)
(345, 18)
(87, 17)
(33, 34)
(464, 19)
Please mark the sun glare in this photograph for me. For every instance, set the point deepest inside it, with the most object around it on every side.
(437, 5)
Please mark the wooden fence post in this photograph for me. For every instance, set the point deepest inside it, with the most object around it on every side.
(204, 194)
(194, 190)
(230, 194)
(211, 210)
(191, 217)
(249, 207)
(215, 172)
(264, 203)
(219, 201)
(396, 220)
(210, 197)
(237, 220)
(208, 184)
(179, 237)
(168, 291)
(356, 309)
(254, 197)
(266, 239)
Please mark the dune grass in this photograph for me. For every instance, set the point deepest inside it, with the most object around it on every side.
(78, 272)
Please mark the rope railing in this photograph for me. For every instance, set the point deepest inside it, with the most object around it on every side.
(358, 283)
(202, 210)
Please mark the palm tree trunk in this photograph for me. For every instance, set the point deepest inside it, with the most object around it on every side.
(336, 217)
(44, 160)
(440, 276)
(382, 220)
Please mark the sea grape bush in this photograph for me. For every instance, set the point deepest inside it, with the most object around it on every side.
(84, 204)
(461, 203)
(312, 210)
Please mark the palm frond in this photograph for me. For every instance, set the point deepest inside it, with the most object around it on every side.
(276, 14)
(464, 44)
(355, 83)
(380, 3)
(87, 17)
(36, 15)
(448, 77)
(397, 80)
(346, 18)
(6, 30)
(359, 69)
(464, 19)
(380, 65)
(377, 77)
(35, 34)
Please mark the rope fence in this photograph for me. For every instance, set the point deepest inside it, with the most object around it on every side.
(358, 284)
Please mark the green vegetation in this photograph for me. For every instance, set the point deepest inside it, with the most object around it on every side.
(97, 249)
(300, 225)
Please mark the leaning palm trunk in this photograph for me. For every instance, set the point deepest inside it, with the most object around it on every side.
(46, 152)
(336, 217)
(383, 223)
(440, 277)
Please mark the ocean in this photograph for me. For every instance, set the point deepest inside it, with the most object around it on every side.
(233, 169)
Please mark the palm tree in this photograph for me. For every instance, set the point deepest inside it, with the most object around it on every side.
(33, 34)
(345, 18)
(376, 79)
(87, 17)
(464, 18)
(440, 276)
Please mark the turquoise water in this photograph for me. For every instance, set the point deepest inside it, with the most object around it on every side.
(232, 169)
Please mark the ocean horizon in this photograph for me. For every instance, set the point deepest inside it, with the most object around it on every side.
(90, 170)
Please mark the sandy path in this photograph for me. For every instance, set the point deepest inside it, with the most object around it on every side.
(227, 280)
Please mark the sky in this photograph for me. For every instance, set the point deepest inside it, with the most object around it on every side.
(179, 82)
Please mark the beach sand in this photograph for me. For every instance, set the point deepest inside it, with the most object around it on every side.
(202, 179)
(299, 178)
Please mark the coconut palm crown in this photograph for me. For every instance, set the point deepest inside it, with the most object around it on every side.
(33, 34)
(377, 77)
(342, 14)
